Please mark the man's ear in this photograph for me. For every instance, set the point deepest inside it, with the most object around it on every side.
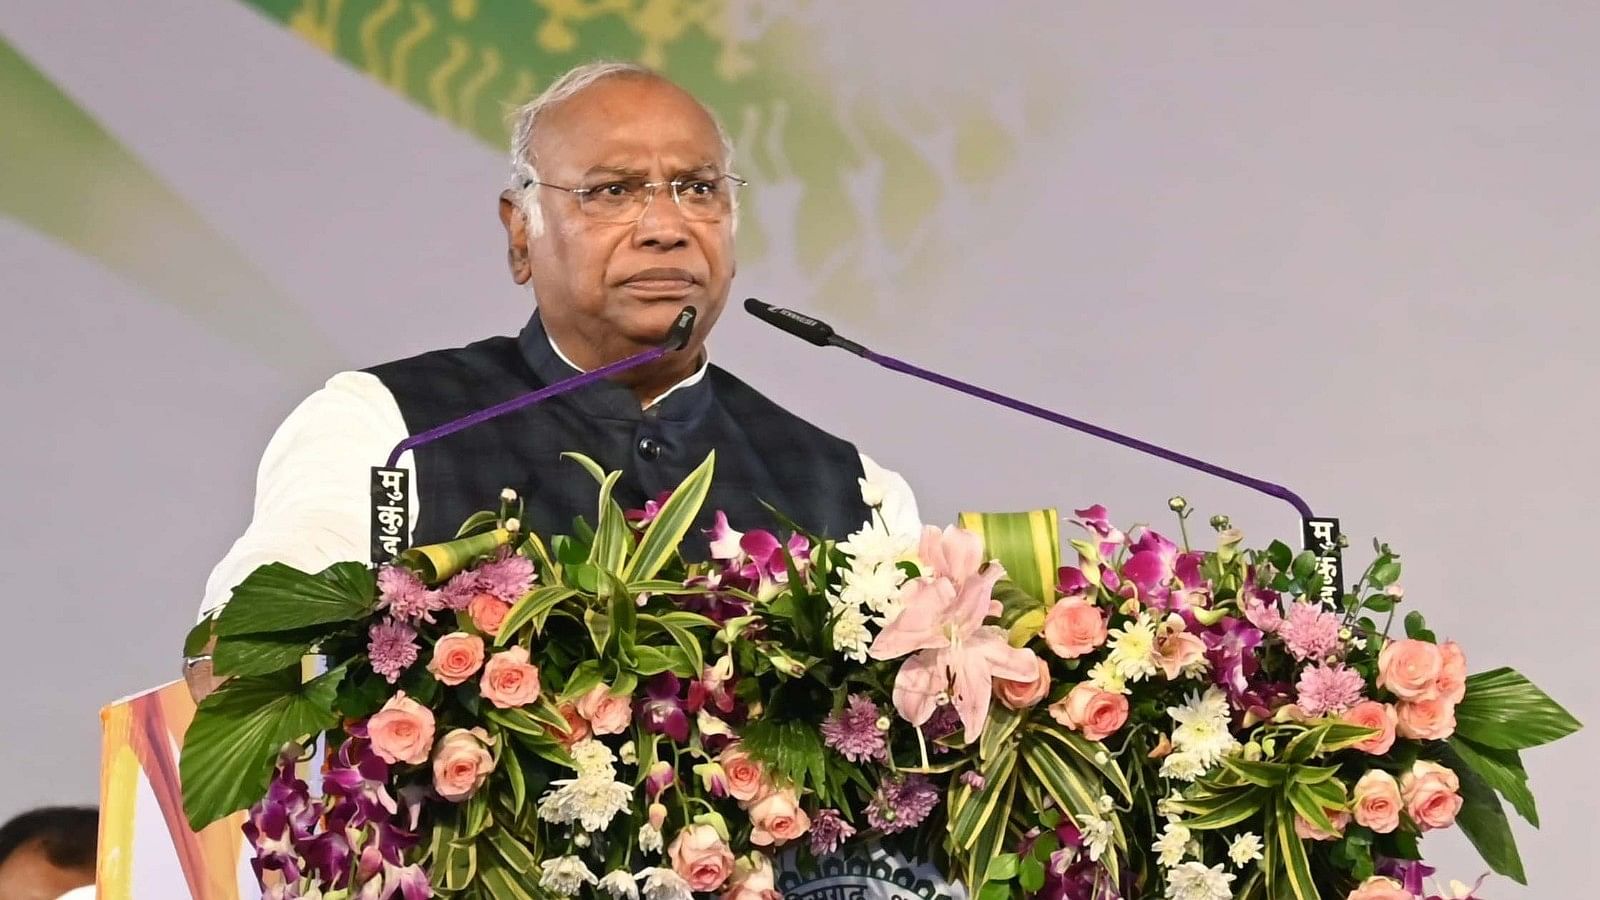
(516, 225)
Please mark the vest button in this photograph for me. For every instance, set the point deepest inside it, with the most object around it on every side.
(649, 448)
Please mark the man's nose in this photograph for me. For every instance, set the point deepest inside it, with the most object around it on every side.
(661, 225)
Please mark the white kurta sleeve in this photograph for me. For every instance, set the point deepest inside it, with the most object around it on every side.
(312, 506)
(891, 493)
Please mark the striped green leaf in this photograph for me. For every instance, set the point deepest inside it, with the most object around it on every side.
(677, 515)
(1503, 771)
(680, 634)
(589, 465)
(532, 609)
(1309, 806)
(511, 851)
(1074, 791)
(986, 846)
(511, 766)
(998, 730)
(1223, 812)
(970, 810)
(502, 882)
(1294, 867)
(1092, 752)
(437, 562)
(1262, 774)
(610, 545)
(1028, 544)
(1506, 711)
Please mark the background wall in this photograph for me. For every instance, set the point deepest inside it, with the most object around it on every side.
(1349, 247)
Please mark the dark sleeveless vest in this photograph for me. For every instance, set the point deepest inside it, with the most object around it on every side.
(764, 453)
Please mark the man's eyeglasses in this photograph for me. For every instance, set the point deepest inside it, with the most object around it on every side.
(700, 198)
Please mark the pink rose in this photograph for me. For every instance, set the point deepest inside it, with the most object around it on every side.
(487, 612)
(747, 780)
(577, 726)
(461, 762)
(1023, 694)
(777, 819)
(1096, 713)
(605, 712)
(1409, 669)
(1310, 831)
(509, 680)
(753, 879)
(1452, 680)
(1380, 888)
(1380, 717)
(1432, 796)
(402, 731)
(701, 857)
(1427, 720)
(1177, 651)
(1377, 801)
(456, 657)
(1074, 627)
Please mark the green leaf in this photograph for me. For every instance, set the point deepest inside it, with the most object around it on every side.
(1290, 856)
(1027, 544)
(1003, 867)
(1506, 711)
(1303, 565)
(1483, 820)
(677, 515)
(589, 465)
(511, 851)
(501, 882)
(1417, 628)
(1030, 874)
(654, 660)
(237, 733)
(1224, 811)
(1503, 771)
(1386, 573)
(483, 518)
(1309, 806)
(261, 654)
(685, 639)
(516, 780)
(1072, 789)
(998, 730)
(437, 562)
(195, 642)
(535, 607)
(277, 597)
(1092, 752)
(1279, 554)
(984, 816)
(1263, 774)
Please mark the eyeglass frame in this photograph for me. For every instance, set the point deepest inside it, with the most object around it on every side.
(651, 186)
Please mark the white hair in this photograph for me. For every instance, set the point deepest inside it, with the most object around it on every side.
(524, 168)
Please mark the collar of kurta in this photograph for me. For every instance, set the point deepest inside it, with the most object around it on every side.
(686, 401)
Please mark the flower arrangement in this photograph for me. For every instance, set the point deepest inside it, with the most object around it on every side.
(509, 718)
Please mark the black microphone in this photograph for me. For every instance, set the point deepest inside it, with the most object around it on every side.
(391, 500)
(1318, 534)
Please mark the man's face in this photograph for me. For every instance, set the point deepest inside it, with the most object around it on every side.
(28, 874)
(609, 289)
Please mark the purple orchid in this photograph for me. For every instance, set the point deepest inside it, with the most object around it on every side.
(665, 712)
(1151, 567)
(1097, 520)
(1230, 646)
(1409, 872)
(641, 518)
(1071, 581)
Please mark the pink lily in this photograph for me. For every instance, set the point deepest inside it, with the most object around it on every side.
(956, 654)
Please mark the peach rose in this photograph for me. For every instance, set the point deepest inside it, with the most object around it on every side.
(1427, 720)
(1380, 717)
(1409, 669)
(605, 712)
(456, 657)
(1096, 713)
(509, 680)
(701, 857)
(1377, 801)
(1432, 796)
(1452, 680)
(1380, 888)
(487, 612)
(1309, 831)
(461, 762)
(777, 819)
(1023, 694)
(1074, 627)
(747, 780)
(1177, 651)
(402, 731)
(577, 726)
(753, 879)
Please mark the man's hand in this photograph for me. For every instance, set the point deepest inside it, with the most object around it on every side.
(198, 675)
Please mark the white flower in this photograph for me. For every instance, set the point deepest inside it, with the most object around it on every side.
(1182, 766)
(565, 875)
(1133, 649)
(664, 884)
(594, 760)
(1203, 727)
(1096, 834)
(1193, 881)
(1105, 676)
(875, 586)
(650, 838)
(629, 754)
(1173, 844)
(1244, 849)
(591, 802)
(850, 634)
(875, 544)
(620, 885)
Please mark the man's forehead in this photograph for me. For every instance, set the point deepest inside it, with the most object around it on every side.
(629, 124)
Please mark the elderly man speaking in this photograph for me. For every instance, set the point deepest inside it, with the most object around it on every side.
(620, 213)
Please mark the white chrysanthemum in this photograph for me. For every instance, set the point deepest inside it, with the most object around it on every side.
(1105, 676)
(850, 633)
(565, 875)
(1244, 849)
(875, 544)
(595, 760)
(876, 586)
(664, 884)
(1173, 845)
(1182, 767)
(620, 885)
(1096, 833)
(650, 839)
(591, 802)
(1194, 881)
(1133, 649)
(1203, 727)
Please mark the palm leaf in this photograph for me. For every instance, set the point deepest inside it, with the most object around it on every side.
(1506, 711)
(276, 597)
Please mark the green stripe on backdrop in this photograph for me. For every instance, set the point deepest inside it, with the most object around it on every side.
(1028, 544)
